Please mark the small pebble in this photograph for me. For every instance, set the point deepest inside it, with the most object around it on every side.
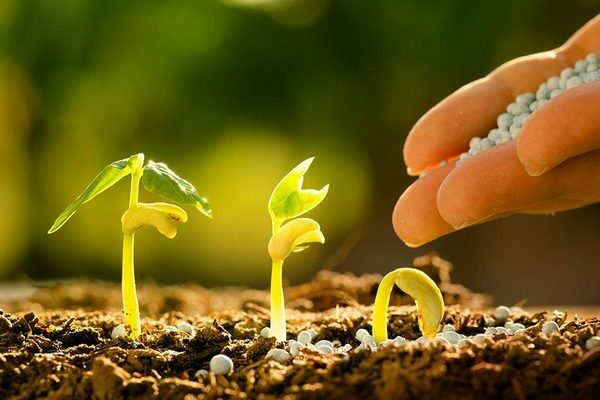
(491, 332)
(368, 340)
(525, 98)
(265, 332)
(580, 66)
(543, 92)
(553, 83)
(324, 342)
(323, 348)
(185, 327)
(485, 144)
(451, 336)
(562, 84)
(573, 82)
(501, 313)
(515, 327)
(201, 373)
(474, 142)
(489, 321)
(517, 109)
(480, 337)
(515, 131)
(555, 93)
(399, 340)
(360, 334)
(295, 348)
(501, 329)
(592, 342)
(533, 106)
(422, 339)
(278, 355)
(464, 342)
(119, 332)
(448, 328)
(313, 334)
(550, 327)
(493, 135)
(221, 365)
(592, 58)
(441, 339)
(304, 337)
(345, 348)
(504, 120)
(567, 73)
(170, 328)
(591, 76)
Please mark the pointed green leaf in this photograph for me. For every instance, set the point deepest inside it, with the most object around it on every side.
(110, 175)
(159, 179)
(289, 200)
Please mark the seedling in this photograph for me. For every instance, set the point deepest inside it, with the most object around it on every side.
(288, 201)
(428, 299)
(156, 178)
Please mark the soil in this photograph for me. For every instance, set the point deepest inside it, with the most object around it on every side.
(55, 343)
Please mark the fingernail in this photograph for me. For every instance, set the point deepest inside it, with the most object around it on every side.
(533, 171)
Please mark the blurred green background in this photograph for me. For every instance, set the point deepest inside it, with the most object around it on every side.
(232, 94)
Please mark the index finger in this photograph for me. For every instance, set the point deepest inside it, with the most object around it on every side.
(444, 131)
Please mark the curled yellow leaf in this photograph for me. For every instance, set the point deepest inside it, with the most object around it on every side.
(293, 237)
(428, 300)
(163, 216)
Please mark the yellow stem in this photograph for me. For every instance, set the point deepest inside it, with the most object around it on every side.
(278, 328)
(130, 301)
(380, 307)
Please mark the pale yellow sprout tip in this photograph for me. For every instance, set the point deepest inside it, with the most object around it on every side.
(293, 236)
(428, 300)
(163, 216)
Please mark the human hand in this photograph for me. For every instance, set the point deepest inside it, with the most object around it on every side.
(554, 164)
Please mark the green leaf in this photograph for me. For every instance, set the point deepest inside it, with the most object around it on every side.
(289, 200)
(110, 175)
(159, 179)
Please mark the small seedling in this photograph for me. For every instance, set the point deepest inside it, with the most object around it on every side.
(156, 178)
(428, 299)
(288, 201)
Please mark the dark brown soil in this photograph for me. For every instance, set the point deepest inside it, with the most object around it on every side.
(60, 354)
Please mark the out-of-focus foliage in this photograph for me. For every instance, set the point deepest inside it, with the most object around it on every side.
(229, 93)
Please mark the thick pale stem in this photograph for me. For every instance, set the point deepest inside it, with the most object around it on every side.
(130, 301)
(278, 328)
(382, 301)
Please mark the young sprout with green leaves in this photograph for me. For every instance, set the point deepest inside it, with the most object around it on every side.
(288, 201)
(156, 178)
(428, 300)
